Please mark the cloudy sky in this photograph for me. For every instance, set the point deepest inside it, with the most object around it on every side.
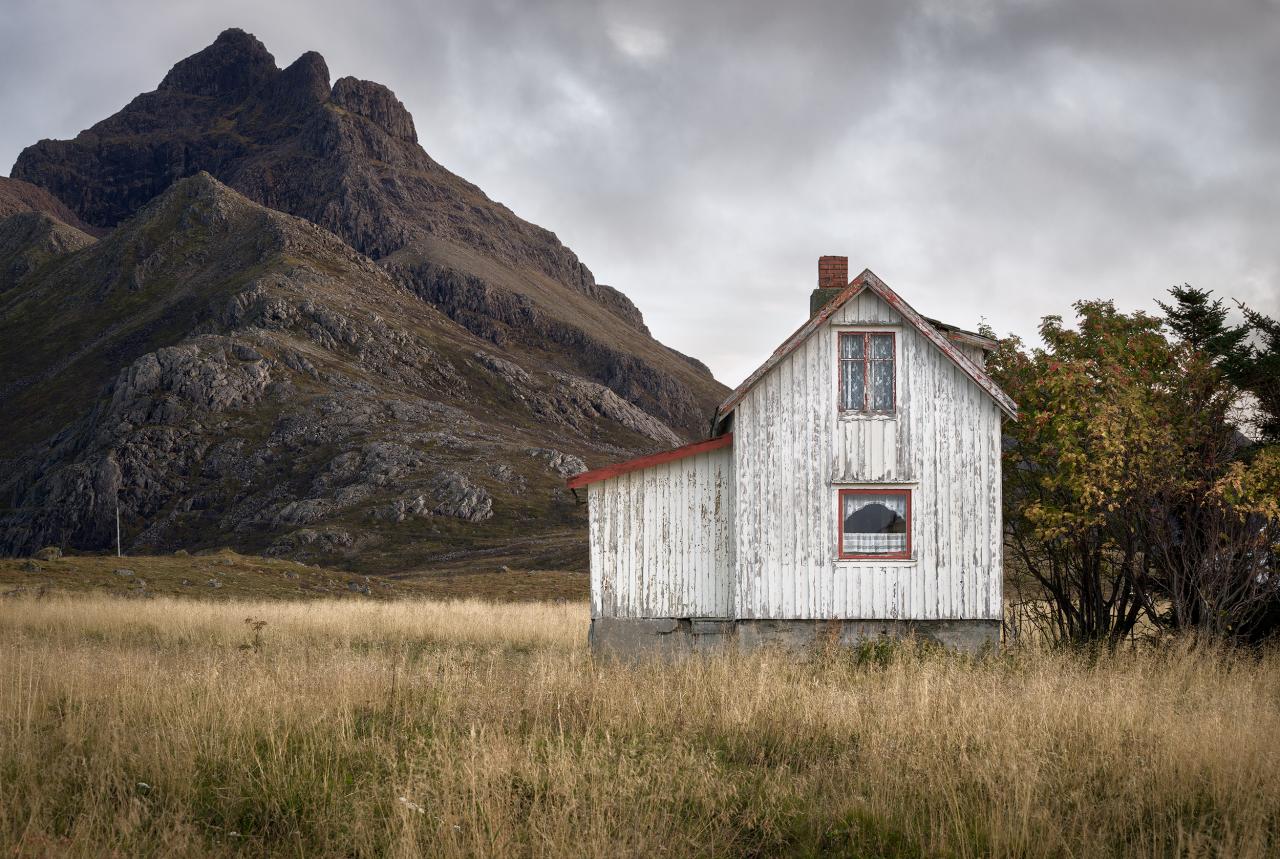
(989, 160)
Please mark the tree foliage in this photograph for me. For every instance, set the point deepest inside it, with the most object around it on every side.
(1131, 498)
(1248, 354)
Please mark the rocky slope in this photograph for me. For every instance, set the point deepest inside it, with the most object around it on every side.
(228, 374)
(17, 196)
(250, 310)
(30, 239)
(346, 156)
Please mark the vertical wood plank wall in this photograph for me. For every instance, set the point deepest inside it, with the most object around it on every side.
(662, 539)
(792, 452)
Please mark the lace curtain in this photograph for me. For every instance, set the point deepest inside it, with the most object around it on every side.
(874, 523)
(860, 371)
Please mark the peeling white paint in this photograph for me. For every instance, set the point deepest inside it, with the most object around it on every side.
(750, 531)
(793, 451)
(662, 539)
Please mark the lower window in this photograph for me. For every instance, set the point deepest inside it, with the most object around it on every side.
(875, 523)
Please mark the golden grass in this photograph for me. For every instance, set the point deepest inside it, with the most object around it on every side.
(246, 577)
(172, 728)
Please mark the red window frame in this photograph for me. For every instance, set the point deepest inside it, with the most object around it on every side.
(866, 373)
(883, 556)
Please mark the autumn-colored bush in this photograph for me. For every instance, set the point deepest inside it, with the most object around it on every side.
(1132, 501)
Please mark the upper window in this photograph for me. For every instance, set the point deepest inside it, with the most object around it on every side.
(875, 523)
(867, 382)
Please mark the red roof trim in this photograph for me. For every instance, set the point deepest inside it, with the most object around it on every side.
(868, 280)
(596, 475)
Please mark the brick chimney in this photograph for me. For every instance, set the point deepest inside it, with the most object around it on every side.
(833, 272)
(833, 276)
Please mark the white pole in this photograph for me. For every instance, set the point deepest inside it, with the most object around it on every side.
(119, 553)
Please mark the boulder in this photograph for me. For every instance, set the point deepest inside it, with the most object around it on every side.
(563, 464)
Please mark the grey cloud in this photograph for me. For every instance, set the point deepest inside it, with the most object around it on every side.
(989, 160)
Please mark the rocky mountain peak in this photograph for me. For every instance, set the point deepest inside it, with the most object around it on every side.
(233, 67)
(301, 335)
(305, 83)
(419, 241)
(200, 185)
(376, 103)
(195, 203)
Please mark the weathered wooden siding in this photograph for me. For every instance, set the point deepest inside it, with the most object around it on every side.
(973, 353)
(662, 539)
(793, 451)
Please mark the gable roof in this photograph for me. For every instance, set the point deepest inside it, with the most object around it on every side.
(868, 281)
(577, 481)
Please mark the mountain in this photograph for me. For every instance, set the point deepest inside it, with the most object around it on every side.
(17, 196)
(297, 334)
(346, 157)
(232, 374)
(30, 239)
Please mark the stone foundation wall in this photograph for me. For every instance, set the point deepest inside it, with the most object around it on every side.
(632, 637)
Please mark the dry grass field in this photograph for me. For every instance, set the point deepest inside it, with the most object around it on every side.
(224, 575)
(168, 727)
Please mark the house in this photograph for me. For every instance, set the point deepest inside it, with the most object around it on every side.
(850, 488)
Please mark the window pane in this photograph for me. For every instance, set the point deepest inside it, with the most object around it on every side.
(882, 346)
(851, 345)
(851, 385)
(874, 523)
(882, 386)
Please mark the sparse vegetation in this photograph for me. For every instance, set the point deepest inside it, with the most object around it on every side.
(411, 728)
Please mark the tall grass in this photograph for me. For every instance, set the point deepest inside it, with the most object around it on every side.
(462, 729)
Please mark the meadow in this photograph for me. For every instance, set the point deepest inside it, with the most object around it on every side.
(175, 727)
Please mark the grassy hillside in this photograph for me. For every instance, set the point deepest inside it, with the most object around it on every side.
(411, 728)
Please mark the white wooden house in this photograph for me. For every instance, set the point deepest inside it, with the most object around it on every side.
(850, 488)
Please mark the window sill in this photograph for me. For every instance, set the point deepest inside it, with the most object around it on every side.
(872, 561)
(868, 416)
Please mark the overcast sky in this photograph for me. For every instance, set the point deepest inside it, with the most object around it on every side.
(993, 160)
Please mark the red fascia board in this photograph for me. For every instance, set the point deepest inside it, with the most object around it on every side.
(604, 473)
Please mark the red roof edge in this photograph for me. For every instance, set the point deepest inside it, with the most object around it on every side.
(604, 473)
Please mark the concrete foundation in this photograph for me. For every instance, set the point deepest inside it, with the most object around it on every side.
(631, 637)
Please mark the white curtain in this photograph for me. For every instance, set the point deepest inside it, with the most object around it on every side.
(855, 501)
(873, 543)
